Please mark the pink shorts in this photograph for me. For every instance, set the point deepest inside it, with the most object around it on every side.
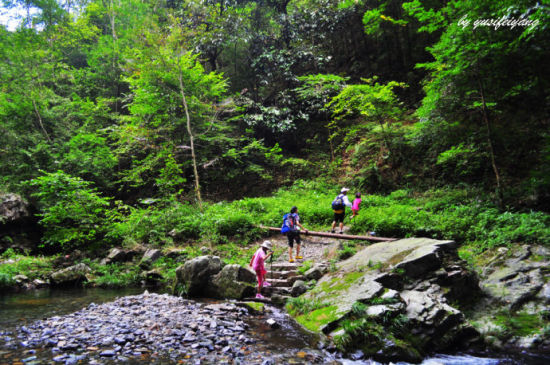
(260, 274)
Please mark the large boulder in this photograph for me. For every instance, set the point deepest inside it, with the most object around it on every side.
(70, 276)
(115, 255)
(397, 291)
(298, 288)
(234, 282)
(315, 273)
(150, 256)
(196, 275)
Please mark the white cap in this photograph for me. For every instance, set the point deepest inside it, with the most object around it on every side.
(344, 190)
(267, 245)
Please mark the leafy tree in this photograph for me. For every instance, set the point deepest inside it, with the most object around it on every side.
(372, 102)
(476, 79)
(73, 214)
(173, 95)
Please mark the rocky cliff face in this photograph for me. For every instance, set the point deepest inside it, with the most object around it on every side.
(514, 311)
(18, 228)
(394, 301)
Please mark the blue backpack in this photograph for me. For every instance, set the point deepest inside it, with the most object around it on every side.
(289, 223)
(338, 202)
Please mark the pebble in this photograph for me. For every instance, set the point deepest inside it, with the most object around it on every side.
(107, 353)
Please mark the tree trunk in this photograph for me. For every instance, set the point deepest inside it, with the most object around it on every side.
(112, 20)
(485, 113)
(40, 121)
(191, 141)
(386, 139)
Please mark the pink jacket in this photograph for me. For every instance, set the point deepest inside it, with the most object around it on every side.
(356, 203)
(258, 259)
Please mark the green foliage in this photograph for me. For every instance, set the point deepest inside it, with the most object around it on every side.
(152, 225)
(88, 156)
(306, 265)
(301, 305)
(519, 324)
(73, 214)
(359, 333)
(39, 267)
(114, 275)
(347, 251)
(6, 281)
(233, 253)
(273, 90)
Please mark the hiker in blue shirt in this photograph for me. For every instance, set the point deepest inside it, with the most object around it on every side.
(291, 227)
(339, 207)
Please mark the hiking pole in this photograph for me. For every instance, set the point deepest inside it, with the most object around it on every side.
(271, 267)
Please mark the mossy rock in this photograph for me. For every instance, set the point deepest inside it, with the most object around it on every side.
(254, 307)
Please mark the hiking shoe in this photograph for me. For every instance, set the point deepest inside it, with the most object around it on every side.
(291, 260)
(341, 232)
(259, 296)
(299, 257)
(266, 284)
(332, 231)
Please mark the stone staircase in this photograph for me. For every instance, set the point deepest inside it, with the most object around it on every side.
(281, 276)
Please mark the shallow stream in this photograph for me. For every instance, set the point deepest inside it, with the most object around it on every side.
(288, 344)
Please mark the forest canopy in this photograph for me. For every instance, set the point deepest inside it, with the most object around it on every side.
(106, 104)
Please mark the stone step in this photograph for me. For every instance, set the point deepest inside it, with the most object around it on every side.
(285, 266)
(279, 282)
(281, 274)
(276, 290)
(293, 279)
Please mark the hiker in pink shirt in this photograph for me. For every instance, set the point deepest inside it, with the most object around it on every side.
(257, 264)
(355, 205)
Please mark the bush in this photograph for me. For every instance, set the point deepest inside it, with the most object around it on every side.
(153, 224)
(6, 281)
(73, 214)
(32, 267)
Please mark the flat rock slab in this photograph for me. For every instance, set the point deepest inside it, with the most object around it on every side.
(414, 255)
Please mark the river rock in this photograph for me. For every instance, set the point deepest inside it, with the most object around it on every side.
(150, 256)
(234, 282)
(73, 275)
(196, 275)
(39, 283)
(115, 255)
(315, 273)
(153, 277)
(298, 288)
(272, 323)
(21, 279)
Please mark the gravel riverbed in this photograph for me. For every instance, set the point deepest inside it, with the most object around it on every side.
(146, 328)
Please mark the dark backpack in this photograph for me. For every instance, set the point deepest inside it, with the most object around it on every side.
(338, 202)
(289, 223)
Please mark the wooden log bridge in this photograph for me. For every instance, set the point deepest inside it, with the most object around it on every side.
(337, 235)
